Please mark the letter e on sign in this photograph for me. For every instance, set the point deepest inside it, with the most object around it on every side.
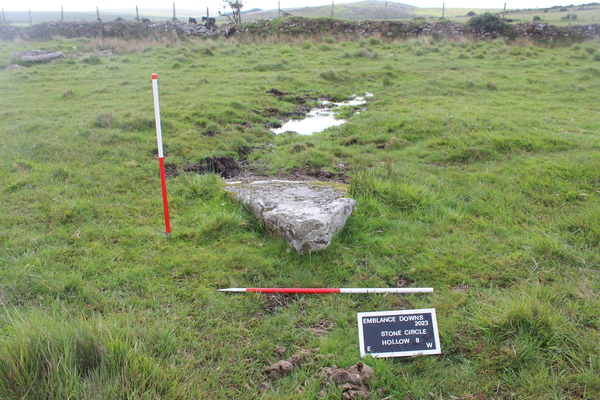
(401, 333)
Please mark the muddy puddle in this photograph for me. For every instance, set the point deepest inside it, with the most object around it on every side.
(322, 117)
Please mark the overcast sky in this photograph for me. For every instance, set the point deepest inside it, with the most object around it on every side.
(87, 5)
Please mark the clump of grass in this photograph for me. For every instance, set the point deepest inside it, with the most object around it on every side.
(92, 60)
(269, 67)
(43, 358)
(366, 53)
(330, 75)
(204, 186)
(403, 196)
(104, 120)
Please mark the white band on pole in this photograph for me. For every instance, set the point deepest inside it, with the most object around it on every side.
(157, 115)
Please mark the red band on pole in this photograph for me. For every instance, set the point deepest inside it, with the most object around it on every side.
(294, 290)
(154, 76)
(163, 182)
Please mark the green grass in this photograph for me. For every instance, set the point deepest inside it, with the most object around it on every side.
(474, 164)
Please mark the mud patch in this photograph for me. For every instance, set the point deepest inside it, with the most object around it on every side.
(252, 174)
(401, 281)
(322, 328)
(279, 300)
(461, 288)
(227, 167)
(285, 367)
(354, 380)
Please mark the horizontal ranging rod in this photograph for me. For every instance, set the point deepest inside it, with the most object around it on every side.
(329, 290)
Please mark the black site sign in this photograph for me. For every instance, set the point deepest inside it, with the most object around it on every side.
(398, 333)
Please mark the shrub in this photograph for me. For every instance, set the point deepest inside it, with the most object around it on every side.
(568, 16)
(536, 18)
(488, 22)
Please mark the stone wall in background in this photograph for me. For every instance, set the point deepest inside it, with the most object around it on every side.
(299, 26)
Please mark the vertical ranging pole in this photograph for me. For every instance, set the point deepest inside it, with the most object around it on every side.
(161, 159)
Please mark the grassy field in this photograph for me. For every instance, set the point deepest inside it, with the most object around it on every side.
(476, 169)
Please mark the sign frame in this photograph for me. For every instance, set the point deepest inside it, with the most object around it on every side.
(390, 320)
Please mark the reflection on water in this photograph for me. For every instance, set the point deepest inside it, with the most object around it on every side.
(319, 119)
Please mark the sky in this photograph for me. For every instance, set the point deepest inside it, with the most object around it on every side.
(88, 5)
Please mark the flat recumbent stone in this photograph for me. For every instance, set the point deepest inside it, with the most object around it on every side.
(305, 214)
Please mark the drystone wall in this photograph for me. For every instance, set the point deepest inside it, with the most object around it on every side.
(300, 26)
(123, 29)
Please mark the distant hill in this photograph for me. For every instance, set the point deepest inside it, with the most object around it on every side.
(364, 10)
(360, 11)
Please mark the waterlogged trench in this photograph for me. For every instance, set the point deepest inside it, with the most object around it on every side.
(320, 118)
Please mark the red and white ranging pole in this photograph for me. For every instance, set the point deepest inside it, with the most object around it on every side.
(161, 159)
(328, 290)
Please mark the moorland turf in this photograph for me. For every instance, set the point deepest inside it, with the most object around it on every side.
(476, 169)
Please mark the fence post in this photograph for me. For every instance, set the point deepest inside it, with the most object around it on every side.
(570, 17)
(98, 14)
(332, 4)
(443, 9)
(62, 14)
(174, 17)
(278, 9)
(3, 16)
(137, 14)
(385, 12)
(31, 21)
(504, 12)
